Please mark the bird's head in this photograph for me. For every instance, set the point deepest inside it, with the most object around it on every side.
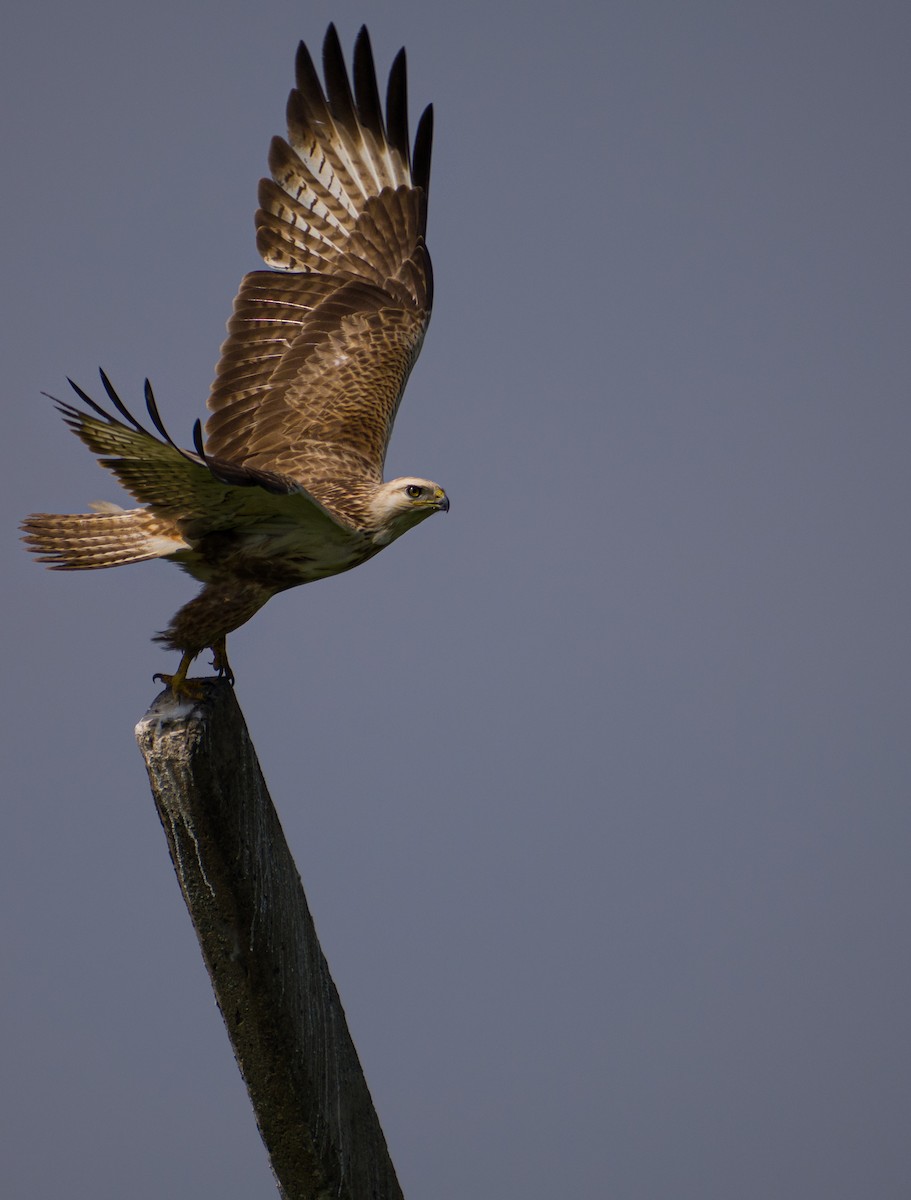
(401, 503)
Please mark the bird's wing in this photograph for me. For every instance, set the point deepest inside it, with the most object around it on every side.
(320, 348)
(199, 493)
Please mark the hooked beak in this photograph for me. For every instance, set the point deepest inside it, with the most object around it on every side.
(441, 500)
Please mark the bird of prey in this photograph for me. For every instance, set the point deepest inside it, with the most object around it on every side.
(288, 486)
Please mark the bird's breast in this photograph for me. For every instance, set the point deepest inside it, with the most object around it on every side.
(280, 557)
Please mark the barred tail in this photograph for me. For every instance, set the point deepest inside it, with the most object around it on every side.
(85, 541)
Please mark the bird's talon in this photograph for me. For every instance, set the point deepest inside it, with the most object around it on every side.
(220, 662)
(191, 689)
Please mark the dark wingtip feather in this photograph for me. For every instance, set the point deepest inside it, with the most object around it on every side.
(152, 409)
(305, 73)
(85, 398)
(338, 88)
(117, 402)
(366, 91)
(423, 143)
(361, 106)
(197, 441)
(397, 107)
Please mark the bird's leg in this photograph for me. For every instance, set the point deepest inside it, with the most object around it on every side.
(178, 682)
(220, 660)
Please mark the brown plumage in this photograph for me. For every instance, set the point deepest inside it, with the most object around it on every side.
(289, 485)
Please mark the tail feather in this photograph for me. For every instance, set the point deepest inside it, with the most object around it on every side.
(87, 541)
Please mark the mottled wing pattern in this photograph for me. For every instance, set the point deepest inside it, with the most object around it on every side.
(320, 348)
(200, 495)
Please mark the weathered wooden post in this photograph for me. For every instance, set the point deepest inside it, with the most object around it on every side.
(271, 980)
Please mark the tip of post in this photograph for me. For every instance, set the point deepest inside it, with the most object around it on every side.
(170, 708)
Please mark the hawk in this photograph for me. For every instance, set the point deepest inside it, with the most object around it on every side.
(288, 485)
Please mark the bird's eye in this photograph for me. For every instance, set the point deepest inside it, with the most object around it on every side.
(413, 491)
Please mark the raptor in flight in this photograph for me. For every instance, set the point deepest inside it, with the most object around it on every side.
(288, 486)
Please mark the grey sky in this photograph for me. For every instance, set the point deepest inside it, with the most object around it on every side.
(599, 786)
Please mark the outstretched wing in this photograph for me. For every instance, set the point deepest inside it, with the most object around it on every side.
(319, 349)
(200, 494)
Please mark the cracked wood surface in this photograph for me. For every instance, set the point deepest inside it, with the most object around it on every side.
(270, 978)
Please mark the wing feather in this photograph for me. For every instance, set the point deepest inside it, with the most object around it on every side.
(397, 110)
(200, 495)
(320, 347)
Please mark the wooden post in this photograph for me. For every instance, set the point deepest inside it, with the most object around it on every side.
(271, 981)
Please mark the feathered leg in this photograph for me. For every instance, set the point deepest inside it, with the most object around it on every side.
(205, 622)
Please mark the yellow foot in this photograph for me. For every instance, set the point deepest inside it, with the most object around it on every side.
(191, 689)
(183, 689)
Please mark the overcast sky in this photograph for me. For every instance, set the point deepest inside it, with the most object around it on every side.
(599, 786)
